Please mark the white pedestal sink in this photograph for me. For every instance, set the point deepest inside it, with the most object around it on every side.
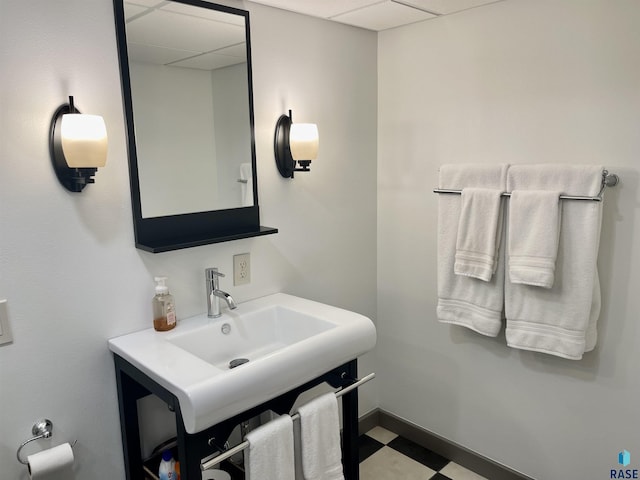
(288, 340)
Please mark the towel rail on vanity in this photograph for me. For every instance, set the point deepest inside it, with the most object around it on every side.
(608, 180)
(241, 446)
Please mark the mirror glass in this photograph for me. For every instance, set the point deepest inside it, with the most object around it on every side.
(189, 84)
(187, 92)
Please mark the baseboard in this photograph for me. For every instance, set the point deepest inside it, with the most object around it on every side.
(448, 449)
(369, 420)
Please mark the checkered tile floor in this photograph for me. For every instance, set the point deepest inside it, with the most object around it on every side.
(387, 456)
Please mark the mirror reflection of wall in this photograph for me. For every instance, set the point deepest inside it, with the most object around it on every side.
(189, 87)
(233, 136)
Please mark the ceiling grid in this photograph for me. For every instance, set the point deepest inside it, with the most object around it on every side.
(376, 15)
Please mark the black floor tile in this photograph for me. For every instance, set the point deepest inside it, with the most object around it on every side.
(418, 453)
(367, 446)
(439, 476)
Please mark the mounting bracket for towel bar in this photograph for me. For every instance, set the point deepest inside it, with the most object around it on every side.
(608, 180)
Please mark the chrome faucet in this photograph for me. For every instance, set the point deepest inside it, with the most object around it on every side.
(214, 294)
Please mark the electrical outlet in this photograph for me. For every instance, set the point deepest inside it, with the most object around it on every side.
(5, 329)
(241, 269)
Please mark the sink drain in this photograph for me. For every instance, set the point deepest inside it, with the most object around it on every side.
(237, 362)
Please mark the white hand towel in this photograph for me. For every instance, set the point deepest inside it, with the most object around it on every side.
(320, 439)
(464, 300)
(270, 455)
(534, 229)
(560, 320)
(479, 233)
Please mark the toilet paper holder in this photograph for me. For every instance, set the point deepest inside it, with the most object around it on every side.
(43, 428)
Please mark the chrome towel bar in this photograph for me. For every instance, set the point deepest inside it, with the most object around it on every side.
(608, 180)
(241, 446)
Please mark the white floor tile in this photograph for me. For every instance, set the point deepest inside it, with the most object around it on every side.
(387, 464)
(458, 472)
(381, 434)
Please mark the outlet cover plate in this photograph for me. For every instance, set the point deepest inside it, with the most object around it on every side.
(241, 269)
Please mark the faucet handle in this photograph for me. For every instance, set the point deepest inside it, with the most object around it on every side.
(211, 273)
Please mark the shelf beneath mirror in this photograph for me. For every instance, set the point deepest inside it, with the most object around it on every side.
(167, 245)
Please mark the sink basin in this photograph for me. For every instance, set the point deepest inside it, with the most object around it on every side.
(249, 336)
(287, 341)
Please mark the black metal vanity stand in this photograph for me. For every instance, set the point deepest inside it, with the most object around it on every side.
(133, 385)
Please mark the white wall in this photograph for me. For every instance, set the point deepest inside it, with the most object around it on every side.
(519, 82)
(68, 266)
(174, 125)
(233, 133)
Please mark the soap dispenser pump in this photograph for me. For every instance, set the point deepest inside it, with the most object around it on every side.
(164, 311)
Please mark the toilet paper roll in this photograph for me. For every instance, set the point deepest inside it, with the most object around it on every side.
(215, 475)
(50, 461)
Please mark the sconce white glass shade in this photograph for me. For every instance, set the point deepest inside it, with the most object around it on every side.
(304, 141)
(84, 140)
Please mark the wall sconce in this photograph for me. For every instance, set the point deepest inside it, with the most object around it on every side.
(78, 146)
(294, 142)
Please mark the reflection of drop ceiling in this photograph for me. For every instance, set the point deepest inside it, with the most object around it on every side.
(376, 14)
(168, 33)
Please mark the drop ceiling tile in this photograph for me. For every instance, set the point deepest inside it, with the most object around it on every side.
(316, 8)
(147, 3)
(183, 32)
(239, 51)
(382, 16)
(154, 54)
(209, 61)
(207, 13)
(131, 10)
(446, 6)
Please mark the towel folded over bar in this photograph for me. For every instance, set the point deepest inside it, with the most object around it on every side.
(534, 228)
(479, 233)
(320, 439)
(560, 320)
(464, 300)
(270, 455)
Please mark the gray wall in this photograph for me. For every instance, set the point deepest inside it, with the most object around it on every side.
(519, 81)
(68, 267)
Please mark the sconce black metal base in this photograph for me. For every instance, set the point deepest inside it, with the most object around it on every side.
(73, 179)
(284, 161)
(305, 166)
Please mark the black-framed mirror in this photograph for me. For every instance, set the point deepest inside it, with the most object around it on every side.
(188, 102)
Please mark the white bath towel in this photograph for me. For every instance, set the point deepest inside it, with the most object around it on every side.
(270, 455)
(320, 439)
(560, 320)
(534, 229)
(479, 233)
(463, 300)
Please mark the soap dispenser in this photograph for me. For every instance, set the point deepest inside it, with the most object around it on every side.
(164, 311)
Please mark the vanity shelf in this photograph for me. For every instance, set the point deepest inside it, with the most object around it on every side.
(167, 245)
(133, 384)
